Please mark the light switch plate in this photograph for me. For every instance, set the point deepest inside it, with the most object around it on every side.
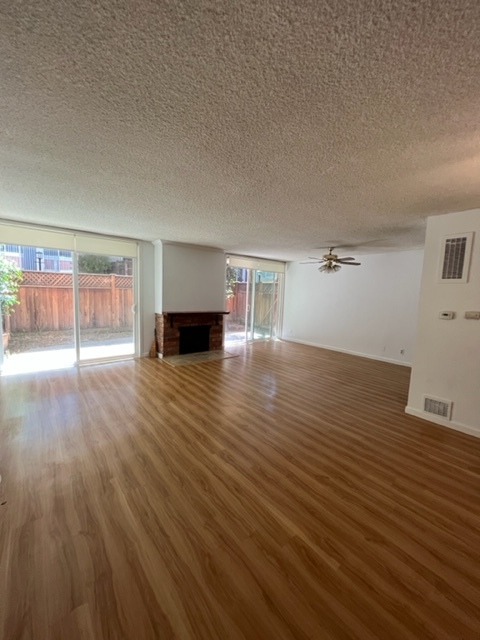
(472, 315)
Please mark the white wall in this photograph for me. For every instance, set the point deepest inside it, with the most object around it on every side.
(146, 295)
(369, 310)
(447, 357)
(193, 278)
(158, 275)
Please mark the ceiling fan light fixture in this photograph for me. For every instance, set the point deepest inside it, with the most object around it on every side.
(329, 267)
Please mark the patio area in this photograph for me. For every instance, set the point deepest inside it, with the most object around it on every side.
(45, 351)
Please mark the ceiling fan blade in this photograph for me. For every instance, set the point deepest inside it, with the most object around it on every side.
(315, 258)
(346, 258)
(353, 264)
(311, 261)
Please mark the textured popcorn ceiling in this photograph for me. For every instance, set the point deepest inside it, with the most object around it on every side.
(265, 128)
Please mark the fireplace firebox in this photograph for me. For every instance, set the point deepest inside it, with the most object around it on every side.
(194, 339)
(169, 331)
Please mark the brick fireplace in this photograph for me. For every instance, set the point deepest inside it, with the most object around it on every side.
(170, 326)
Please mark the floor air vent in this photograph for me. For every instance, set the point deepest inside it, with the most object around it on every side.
(441, 408)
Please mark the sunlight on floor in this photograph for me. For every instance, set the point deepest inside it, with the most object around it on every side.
(50, 359)
(238, 337)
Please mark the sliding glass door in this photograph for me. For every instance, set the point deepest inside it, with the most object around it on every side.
(75, 300)
(105, 306)
(253, 302)
(264, 311)
(38, 326)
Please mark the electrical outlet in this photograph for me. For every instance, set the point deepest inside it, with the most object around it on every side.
(446, 315)
(472, 315)
(402, 352)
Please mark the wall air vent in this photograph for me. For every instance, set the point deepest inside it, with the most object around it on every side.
(441, 408)
(456, 258)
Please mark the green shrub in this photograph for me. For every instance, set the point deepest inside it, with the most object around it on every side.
(10, 279)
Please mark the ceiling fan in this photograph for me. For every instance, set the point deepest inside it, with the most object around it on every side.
(330, 262)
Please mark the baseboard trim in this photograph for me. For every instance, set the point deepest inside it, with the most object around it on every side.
(352, 353)
(457, 426)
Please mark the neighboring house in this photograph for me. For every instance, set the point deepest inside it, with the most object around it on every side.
(38, 259)
(57, 260)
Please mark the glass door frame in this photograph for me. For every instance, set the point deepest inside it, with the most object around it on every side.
(252, 267)
(275, 326)
(77, 311)
(31, 235)
(76, 307)
(249, 322)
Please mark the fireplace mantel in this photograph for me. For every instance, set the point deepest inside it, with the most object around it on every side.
(170, 315)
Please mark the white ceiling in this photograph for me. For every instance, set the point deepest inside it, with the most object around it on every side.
(262, 128)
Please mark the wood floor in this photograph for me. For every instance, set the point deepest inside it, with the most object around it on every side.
(279, 494)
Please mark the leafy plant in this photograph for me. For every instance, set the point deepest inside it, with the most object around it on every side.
(94, 263)
(10, 279)
(233, 274)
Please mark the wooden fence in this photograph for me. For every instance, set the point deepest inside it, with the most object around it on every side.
(46, 302)
(266, 300)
